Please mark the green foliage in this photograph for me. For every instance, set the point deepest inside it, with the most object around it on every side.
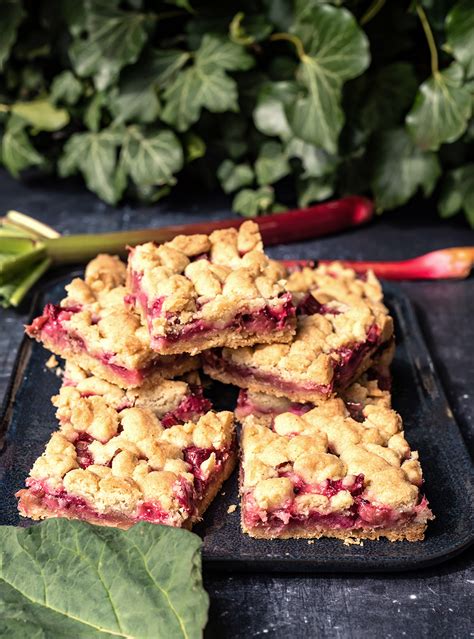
(70, 579)
(327, 97)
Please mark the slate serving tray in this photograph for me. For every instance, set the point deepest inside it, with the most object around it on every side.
(27, 419)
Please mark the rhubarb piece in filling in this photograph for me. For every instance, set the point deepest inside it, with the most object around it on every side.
(116, 468)
(331, 348)
(172, 401)
(199, 291)
(94, 328)
(324, 474)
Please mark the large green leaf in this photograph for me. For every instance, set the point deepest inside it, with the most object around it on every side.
(400, 168)
(271, 164)
(457, 193)
(460, 34)
(95, 156)
(234, 176)
(41, 114)
(442, 109)
(17, 151)
(66, 88)
(114, 38)
(335, 50)
(151, 158)
(68, 579)
(11, 15)
(205, 84)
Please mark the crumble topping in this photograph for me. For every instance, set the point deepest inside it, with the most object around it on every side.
(300, 459)
(232, 273)
(334, 281)
(160, 396)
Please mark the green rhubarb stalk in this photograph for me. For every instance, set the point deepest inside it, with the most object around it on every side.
(11, 265)
(12, 294)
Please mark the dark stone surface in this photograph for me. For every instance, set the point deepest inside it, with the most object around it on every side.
(435, 602)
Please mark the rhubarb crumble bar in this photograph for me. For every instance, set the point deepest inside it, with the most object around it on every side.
(172, 401)
(94, 328)
(324, 474)
(118, 467)
(332, 347)
(199, 291)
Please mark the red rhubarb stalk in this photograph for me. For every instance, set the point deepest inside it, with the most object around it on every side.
(450, 263)
(281, 228)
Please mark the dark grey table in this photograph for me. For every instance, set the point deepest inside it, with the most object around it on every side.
(432, 603)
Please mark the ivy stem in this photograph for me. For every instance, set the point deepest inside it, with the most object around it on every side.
(372, 11)
(429, 38)
(294, 40)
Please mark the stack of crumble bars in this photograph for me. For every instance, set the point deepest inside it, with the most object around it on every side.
(322, 451)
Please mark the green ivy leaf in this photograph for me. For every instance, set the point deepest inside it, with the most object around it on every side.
(41, 114)
(271, 164)
(12, 14)
(457, 193)
(251, 203)
(400, 168)
(315, 190)
(390, 93)
(93, 111)
(163, 65)
(442, 109)
(151, 159)
(70, 579)
(114, 39)
(195, 147)
(205, 84)
(135, 99)
(316, 162)
(17, 151)
(95, 156)
(460, 34)
(66, 88)
(222, 54)
(269, 113)
(336, 49)
(234, 176)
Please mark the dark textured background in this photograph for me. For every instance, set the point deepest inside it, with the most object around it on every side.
(436, 602)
